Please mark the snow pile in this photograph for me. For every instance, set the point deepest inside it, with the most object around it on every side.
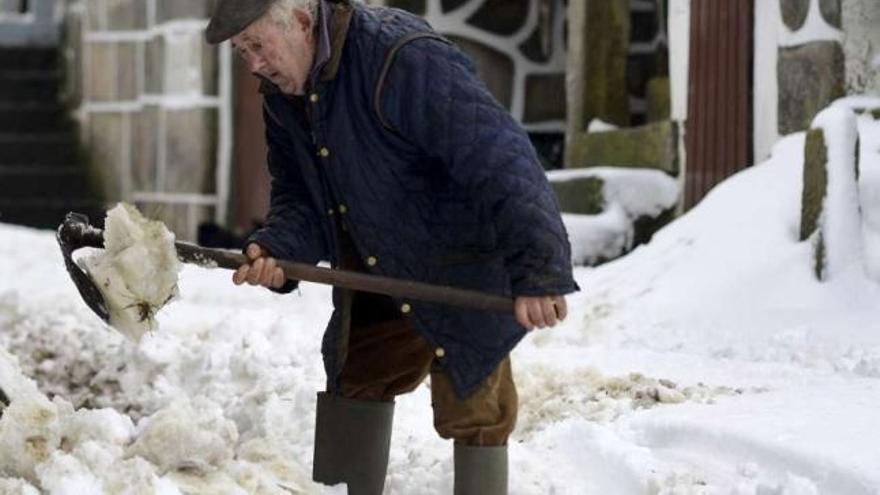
(189, 446)
(628, 194)
(187, 435)
(137, 270)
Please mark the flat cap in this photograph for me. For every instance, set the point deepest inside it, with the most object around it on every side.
(234, 16)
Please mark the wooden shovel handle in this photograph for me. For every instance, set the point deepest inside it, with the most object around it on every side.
(401, 289)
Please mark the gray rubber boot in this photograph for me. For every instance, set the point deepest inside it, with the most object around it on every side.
(352, 439)
(480, 470)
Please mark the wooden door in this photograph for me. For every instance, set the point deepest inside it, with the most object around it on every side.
(718, 134)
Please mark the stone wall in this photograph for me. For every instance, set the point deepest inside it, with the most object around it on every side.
(810, 68)
(154, 106)
(861, 24)
(518, 46)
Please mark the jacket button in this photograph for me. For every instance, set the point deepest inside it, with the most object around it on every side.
(343, 209)
(330, 211)
(405, 308)
(324, 152)
(314, 98)
(440, 352)
(371, 261)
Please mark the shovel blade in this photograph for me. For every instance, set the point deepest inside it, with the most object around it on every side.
(74, 233)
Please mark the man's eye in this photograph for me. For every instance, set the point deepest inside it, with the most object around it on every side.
(257, 47)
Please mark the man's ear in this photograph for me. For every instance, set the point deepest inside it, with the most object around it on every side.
(304, 19)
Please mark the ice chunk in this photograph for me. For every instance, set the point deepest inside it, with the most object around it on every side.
(137, 270)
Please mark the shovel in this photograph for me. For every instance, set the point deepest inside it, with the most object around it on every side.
(76, 232)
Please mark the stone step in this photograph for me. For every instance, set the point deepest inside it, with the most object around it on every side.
(29, 58)
(33, 117)
(55, 148)
(30, 181)
(48, 214)
(29, 85)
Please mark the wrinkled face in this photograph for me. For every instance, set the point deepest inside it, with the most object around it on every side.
(282, 54)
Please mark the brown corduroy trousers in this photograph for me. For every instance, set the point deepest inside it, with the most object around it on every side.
(390, 358)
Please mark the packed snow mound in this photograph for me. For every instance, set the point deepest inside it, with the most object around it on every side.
(628, 194)
(137, 270)
(732, 278)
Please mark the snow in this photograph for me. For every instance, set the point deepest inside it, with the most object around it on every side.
(628, 194)
(136, 271)
(599, 125)
(708, 361)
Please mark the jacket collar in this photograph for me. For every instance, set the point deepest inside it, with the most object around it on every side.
(332, 30)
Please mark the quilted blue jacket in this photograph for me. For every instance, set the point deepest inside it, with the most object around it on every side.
(432, 178)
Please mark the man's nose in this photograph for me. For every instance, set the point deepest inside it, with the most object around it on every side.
(257, 64)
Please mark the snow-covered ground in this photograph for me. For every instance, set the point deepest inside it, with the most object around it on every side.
(709, 361)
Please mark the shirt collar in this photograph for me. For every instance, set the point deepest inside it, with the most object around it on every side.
(322, 48)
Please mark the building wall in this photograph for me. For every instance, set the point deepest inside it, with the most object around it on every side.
(154, 105)
(806, 53)
(861, 45)
(518, 46)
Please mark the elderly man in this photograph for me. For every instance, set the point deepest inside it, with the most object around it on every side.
(389, 156)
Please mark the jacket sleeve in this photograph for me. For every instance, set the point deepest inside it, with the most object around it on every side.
(433, 99)
(292, 230)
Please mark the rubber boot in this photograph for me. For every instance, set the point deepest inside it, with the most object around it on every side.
(480, 470)
(352, 439)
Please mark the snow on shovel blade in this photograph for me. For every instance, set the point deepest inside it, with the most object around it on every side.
(74, 233)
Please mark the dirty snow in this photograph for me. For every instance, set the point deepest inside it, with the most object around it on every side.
(708, 361)
(136, 271)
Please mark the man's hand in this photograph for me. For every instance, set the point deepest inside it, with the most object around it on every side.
(262, 270)
(540, 312)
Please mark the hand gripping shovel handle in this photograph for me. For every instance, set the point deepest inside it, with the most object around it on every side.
(401, 289)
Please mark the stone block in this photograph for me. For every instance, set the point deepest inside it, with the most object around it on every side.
(582, 195)
(831, 12)
(815, 182)
(113, 74)
(598, 47)
(106, 134)
(606, 51)
(830, 212)
(494, 68)
(154, 66)
(648, 146)
(191, 150)
(544, 98)
(181, 218)
(810, 77)
(144, 148)
(116, 15)
(794, 12)
(658, 99)
(538, 47)
(504, 17)
(183, 61)
(210, 70)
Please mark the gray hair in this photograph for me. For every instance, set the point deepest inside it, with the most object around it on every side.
(281, 12)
